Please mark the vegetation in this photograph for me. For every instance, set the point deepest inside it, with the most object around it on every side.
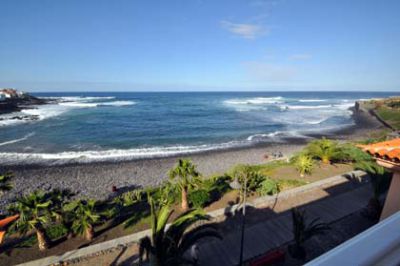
(248, 178)
(303, 231)
(129, 198)
(167, 246)
(268, 187)
(84, 216)
(304, 164)
(380, 181)
(199, 198)
(186, 177)
(323, 149)
(50, 216)
(5, 184)
(284, 184)
(34, 215)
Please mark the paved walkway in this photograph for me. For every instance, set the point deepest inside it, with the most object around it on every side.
(277, 231)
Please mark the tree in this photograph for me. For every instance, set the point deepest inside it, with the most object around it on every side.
(34, 214)
(323, 149)
(5, 184)
(186, 177)
(166, 247)
(60, 199)
(303, 232)
(304, 164)
(84, 216)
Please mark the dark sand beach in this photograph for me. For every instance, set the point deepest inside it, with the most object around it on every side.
(97, 179)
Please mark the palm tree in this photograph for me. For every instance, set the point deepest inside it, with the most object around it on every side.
(60, 199)
(34, 214)
(304, 164)
(324, 149)
(166, 247)
(83, 216)
(303, 232)
(186, 177)
(5, 184)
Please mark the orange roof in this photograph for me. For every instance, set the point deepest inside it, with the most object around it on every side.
(2, 234)
(386, 150)
(6, 221)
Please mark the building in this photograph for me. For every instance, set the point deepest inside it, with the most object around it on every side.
(7, 93)
(387, 154)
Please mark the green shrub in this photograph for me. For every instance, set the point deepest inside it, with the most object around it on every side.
(217, 186)
(199, 198)
(268, 187)
(253, 178)
(350, 153)
(324, 149)
(129, 198)
(56, 231)
(290, 183)
(304, 164)
(166, 194)
(254, 181)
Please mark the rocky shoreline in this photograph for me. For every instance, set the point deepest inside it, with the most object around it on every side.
(17, 104)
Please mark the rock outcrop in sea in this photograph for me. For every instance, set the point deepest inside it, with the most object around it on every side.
(12, 100)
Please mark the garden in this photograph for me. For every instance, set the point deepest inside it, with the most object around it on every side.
(54, 222)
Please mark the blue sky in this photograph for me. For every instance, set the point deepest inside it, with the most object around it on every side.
(200, 45)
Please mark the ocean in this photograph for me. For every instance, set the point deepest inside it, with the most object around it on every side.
(85, 127)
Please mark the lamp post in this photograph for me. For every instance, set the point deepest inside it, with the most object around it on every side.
(236, 185)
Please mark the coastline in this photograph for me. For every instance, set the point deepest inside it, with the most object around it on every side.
(95, 180)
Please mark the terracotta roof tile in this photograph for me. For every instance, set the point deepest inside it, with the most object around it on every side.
(6, 221)
(386, 150)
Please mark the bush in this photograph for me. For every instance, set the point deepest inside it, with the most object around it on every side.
(324, 149)
(56, 231)
(166, 194)
(268, 187)
(350, 153)
(304, 164)
(217, 186)
(290, 183)
(199, 198)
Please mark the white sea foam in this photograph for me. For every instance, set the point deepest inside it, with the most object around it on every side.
(311, 100)
(96, 104)
(78, 104)
(117, 103)
(45, 111)
(17, 140)
(255, 101)
(112, 154)
(302, 107)
(82, 98)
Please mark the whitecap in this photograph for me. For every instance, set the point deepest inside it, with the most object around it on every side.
(117, 103)
(301, 107)
(255, 101)
(17, 140)
(311, 100)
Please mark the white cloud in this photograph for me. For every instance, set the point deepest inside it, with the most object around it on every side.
(247, 31)
(300, 57)
(269, 72)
